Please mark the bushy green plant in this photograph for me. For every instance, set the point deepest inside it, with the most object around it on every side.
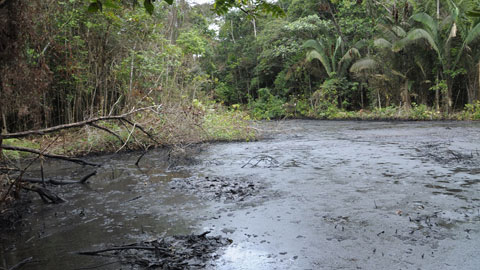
(227, 125)
(472, 111)
(420, 112)
(225, 94)
(267, 106)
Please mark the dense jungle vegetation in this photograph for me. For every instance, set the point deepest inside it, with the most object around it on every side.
(66, 60)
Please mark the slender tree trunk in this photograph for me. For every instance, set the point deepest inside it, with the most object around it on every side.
(448, 96)
(378, 98)
(231, 30)
(4, 129)
(438, 9)
(437, 96)
(337, 27)
(406, 96)
(478, 84)
(132, 61)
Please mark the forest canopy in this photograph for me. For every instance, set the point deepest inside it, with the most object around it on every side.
(323, 59)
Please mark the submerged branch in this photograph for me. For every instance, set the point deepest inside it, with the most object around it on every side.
(59, 182)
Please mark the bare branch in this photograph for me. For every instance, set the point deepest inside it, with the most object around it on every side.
(109, 131)
(74, 125)
(34, 151)
(59, 182)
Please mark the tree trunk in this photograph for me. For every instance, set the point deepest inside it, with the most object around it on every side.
(478, 84)
(407, 104)
(448, 96)
(437, 96)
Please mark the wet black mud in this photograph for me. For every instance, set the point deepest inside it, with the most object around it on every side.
(314, 195)
(219, 188)
(169, 253)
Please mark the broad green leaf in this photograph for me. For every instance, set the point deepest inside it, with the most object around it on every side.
(169, 2)
(473, 34)
(428, 21)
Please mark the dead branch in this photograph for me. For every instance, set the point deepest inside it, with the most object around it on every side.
(20, 264)
(59, 182)
(16, 182)
(96, 252)
(141, 128)
(128, 138)
(141, 156)
(34, 151)
(46, 195)
(109, 131)
(77, 124)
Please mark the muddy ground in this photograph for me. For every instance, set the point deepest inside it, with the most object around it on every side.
(312, 195)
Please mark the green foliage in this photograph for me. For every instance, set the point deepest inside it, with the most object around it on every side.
(267, 106)
(420, 112)
(472, 111)
(225, 94)
(192, 42)
(225, 125)
(18, 143)
(250, 7)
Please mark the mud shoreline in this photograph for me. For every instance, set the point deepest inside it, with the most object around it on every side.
(313, 195)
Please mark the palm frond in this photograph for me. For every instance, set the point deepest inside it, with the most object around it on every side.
(399, 31)
(382, 43)
(338, 45)
(414, 35)
(314, 45)
(364, 64)
(473, 34)
(387, 32)
(428, 22)
(322, 57)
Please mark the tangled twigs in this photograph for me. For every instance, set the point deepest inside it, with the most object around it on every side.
(268, 160)
(17, 181)
(91, 122)
(111, 132)
(172, 252)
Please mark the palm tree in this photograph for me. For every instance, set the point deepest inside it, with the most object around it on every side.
(432, 31)
(330, 56)
(396, 70)
(439, 35)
